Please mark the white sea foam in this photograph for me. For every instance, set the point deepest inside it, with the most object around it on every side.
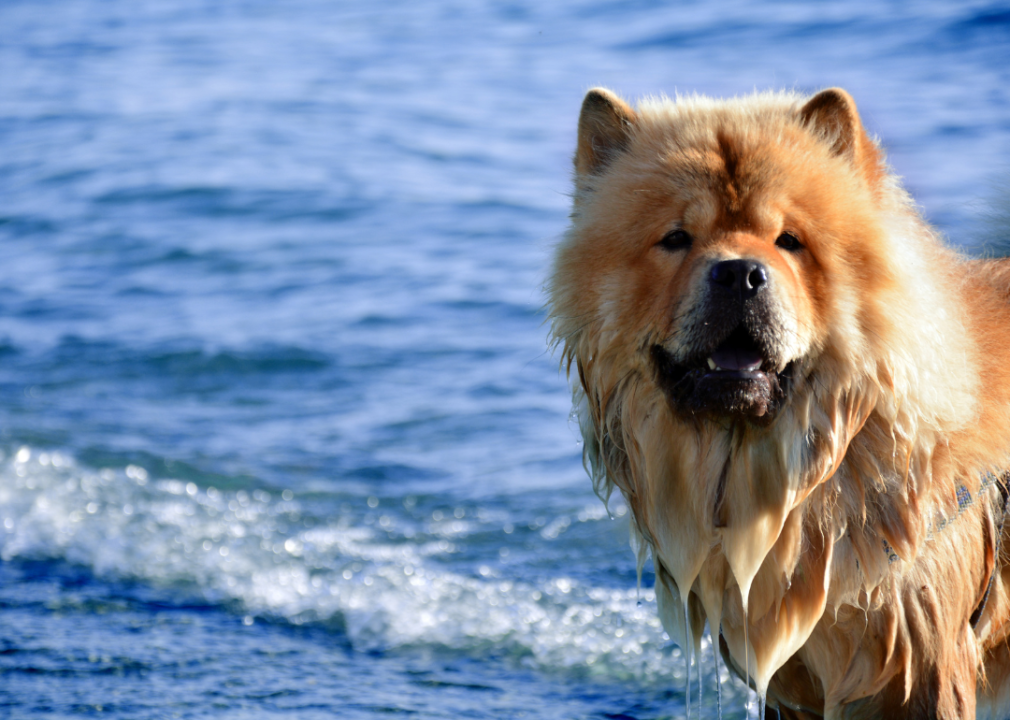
(255, 553)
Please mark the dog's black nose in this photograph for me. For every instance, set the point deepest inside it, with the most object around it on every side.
(740, 278)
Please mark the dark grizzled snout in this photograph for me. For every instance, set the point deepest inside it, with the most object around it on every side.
(733, 342)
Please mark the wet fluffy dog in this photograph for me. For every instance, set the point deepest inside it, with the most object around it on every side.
(803, 395)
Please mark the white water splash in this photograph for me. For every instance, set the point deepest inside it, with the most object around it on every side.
(258, 551)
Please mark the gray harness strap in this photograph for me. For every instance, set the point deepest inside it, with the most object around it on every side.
(1004, 490)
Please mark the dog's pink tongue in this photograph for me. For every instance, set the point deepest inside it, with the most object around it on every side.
(743, 360)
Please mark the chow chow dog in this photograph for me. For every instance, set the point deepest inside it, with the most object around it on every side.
(803, 395)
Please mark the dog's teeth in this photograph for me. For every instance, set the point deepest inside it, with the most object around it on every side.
(712, 365)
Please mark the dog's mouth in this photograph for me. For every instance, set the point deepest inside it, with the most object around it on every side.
(736, 378)
(738, 356)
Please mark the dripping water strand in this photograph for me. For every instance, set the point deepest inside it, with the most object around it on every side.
(688, 651)
(697, 662)
(746, 655)
(718, 675)
(641, 550)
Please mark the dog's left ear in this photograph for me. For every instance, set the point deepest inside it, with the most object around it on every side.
(832, 115)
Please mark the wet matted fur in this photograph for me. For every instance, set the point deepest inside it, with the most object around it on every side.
(802, 393)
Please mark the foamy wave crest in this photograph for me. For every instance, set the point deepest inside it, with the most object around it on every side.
(264, 554)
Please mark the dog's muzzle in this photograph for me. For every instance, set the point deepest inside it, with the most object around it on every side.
(731, 364)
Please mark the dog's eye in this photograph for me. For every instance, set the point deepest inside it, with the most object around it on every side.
(788, 241)
(676, 240)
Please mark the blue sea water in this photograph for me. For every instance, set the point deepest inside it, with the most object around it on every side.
(280, 435)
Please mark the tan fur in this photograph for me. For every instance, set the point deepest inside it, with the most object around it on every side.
(777, 531)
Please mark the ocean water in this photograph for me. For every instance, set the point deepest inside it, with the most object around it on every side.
(280, 434)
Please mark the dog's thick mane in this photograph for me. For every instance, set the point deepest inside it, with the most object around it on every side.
(821, 516)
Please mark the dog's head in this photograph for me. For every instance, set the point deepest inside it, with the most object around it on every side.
(721, 243)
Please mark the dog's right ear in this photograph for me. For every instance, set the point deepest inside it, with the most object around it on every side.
(605, 125)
